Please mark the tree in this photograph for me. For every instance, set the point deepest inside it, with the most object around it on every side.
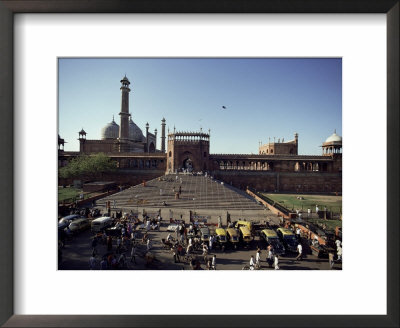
(88, 166)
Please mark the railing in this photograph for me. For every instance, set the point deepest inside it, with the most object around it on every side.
(271, 202)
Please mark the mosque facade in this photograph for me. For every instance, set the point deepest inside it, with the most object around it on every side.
(277, 166)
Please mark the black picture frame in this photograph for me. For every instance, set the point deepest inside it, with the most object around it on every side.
(7, 10)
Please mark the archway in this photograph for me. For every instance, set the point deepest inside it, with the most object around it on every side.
(187, 164)
(152, 148)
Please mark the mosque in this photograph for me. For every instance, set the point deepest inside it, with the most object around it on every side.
(126, 137)
(277, 166)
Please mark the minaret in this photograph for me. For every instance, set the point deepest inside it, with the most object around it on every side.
(147, 136)
(155, 135)
(82, 140)
(124, 126)
(163, 135)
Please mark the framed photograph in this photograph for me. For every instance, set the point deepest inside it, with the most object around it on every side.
(62, 56)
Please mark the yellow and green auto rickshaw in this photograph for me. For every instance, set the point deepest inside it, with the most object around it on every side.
(245, 235)
(288, 238)
(221, 238)
(242, 223)
(233, 237)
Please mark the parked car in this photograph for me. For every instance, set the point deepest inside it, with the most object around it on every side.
(288, 239)
(79, 225)
(271, 238)
(66, 220)
(101, 223)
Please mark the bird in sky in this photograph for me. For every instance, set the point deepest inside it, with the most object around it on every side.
(223, 107)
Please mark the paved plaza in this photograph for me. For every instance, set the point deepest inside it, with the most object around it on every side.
(77, 252)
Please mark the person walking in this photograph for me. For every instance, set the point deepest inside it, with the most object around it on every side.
(205, 252)
(214, 262)
(298, 233)
(331, 260)
(258, 258)
(189, 246)
(339, 253)
(251, 263)
(338, 243)
(92, 262)
(276, 262)
(300, 250)
(270, 257)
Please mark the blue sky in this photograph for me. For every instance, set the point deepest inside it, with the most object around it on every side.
(264, 98)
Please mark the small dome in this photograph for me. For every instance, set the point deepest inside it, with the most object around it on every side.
(135, 133)
(334, 138)
(110, 131)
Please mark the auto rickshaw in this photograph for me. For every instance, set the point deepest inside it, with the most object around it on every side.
(233, 237)
(288, 239)
(245, 235)
(221, 238)
(205, 234)
(242, 223)
(271, 238)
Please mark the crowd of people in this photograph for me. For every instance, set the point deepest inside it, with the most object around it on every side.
(130, 237)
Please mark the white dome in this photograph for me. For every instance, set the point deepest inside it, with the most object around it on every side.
(110, 131)
(334, 138)
(135, 133)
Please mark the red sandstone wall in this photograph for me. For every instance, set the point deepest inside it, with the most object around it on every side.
(180, 150)
(282, 182)
(124, 177)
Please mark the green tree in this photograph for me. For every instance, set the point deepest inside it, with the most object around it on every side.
(88, 166)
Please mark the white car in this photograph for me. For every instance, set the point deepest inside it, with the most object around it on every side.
(66, 220)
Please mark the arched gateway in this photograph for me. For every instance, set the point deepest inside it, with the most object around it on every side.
(189, 151)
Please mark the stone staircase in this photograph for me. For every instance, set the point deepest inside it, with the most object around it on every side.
(198, 192)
